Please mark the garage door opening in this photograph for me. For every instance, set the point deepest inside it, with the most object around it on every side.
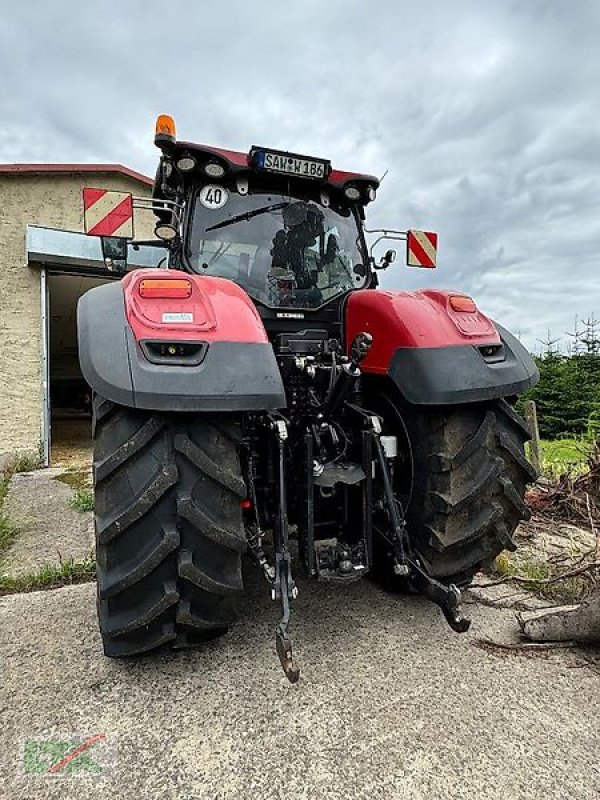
(70, 264)
(70, 396)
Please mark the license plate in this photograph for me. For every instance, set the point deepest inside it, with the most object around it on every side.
(291, 165)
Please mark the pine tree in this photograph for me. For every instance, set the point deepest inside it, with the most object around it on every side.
(568, 394)
(549, 392)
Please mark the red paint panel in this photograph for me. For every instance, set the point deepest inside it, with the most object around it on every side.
(91, 196)
(412, 319)
(421, 256)
(217, 310)
(417, 250)
(114, 219)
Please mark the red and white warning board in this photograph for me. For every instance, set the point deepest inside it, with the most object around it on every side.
(107, 213)
(421, 249)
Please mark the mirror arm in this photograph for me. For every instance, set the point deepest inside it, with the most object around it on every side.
(386, 234)
(150, 243)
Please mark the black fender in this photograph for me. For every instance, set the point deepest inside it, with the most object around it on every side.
(463, 373)
(223, 376)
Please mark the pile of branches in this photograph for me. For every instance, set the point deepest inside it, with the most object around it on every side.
(574, 500)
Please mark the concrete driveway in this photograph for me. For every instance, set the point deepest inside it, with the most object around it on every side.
(391, 704)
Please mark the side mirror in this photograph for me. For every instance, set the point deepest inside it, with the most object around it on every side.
(388, 259)
(114, 253)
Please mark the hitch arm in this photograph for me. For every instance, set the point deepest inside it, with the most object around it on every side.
(446, 597)
(284, 588)
(400, 534)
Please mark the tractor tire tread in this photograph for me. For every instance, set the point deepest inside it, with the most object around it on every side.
(169, 529)
(125, 574)
(469, 475)
(465, 515)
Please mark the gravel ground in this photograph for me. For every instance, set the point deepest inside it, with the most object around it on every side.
(49, 530)
(72, 442)
(543, 539)
(391, 704)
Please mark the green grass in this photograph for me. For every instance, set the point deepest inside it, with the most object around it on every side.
(24, 462)
(8, 532)
(82, 500)
(568, 590)
(50, 576)
(532, 570)
(565, 456)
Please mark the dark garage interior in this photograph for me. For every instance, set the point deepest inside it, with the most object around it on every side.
(70, 397)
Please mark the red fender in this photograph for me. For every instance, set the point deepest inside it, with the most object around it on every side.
(218, 310)
(177, 343)
(418, 319)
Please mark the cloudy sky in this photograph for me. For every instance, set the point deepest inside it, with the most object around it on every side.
(486, 116)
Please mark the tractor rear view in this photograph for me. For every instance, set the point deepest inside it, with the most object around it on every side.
(263, 383)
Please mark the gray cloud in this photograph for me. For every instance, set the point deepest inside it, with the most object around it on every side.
(486, 116)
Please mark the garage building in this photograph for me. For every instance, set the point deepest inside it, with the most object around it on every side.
(47, 264)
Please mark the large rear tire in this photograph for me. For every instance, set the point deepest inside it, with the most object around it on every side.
(169, 531)
(462, 484)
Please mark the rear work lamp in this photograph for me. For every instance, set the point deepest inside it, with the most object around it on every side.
(165, 288)
(460, 302)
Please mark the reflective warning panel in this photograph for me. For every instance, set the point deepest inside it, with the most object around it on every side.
(421, 249)
(107, 213)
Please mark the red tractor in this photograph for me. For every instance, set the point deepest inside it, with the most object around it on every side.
(262, 383)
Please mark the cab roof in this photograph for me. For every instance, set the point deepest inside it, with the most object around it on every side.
(236, 161)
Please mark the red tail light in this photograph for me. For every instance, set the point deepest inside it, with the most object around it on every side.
(165, 287)
(460, 302)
